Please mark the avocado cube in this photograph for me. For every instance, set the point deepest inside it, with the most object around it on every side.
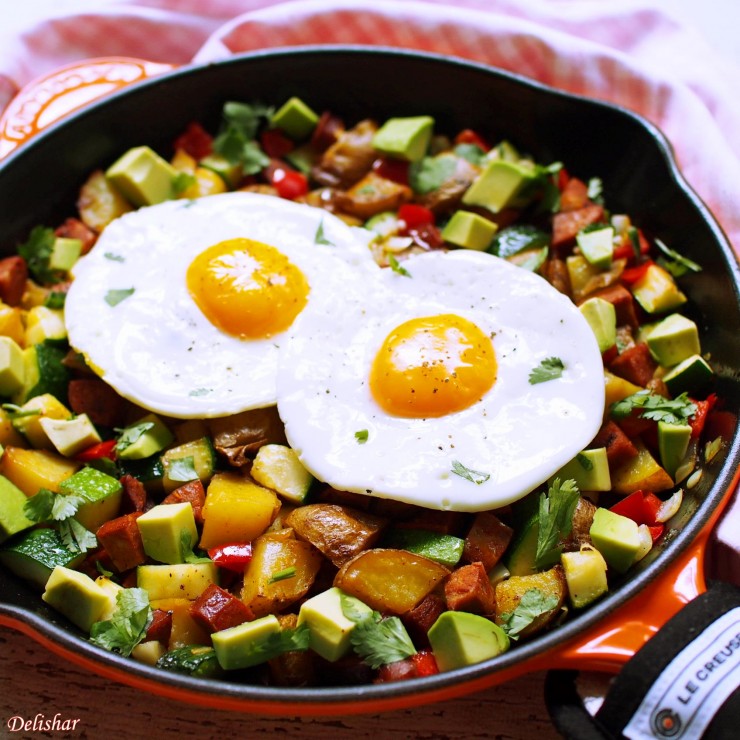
(34, 554)
(405, 138)
(616, 538)
(498, 185)
(602, 318)
(176, 581)
(112, 589)
(295, 118)
(64, 253)
(44, 324)
(469, 230)
(278, 467)
(329, 629)
(142, 176)
(101, 493)
(585, 574)
(168, 532)
(12, 516)
(673, 340)
(28, 420)
(673, 443)
(243, 646)
(691, 375)
(656, 291)
(77, 596)
(589, 469)
(460, 639)
(12, 367)
(70, 436)
(597, 246)
(148, 652)
(143, 439)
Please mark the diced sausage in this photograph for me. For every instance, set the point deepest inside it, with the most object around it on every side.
(619, 447)
(98, 400)
(160, 627)
(13, 276)
(193, 492)
(419, 620)
(623, 302)
(469, 590)
(555, 271)
(487, 540)
(566, 224)
(216, 609)
(327, 131)
(73, 228)
(635, 364)
(133, 497)
(574, 195)
(122, 541)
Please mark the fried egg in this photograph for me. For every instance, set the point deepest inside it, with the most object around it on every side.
(182, 306)
(423, 391)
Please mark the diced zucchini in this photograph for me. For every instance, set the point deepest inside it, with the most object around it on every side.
(692, 375)
(44, 372)
(278, 467)
(520, 559)
(656, 291)
(101, 493)
(188, 461)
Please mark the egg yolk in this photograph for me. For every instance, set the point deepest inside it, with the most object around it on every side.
(433, 366)
(246, 288)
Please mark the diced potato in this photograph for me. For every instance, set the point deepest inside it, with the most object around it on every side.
(390, 580)
(11, 323)
(180, 580)
(616, 388)
(44, 323)
(31, 470)
(99, 202)
(148, 652)
(641, 473)
(339, 532)
(236, 510)
(372, 195)
(294, 668)
(511, 591)
(281, 571)
(185, 630)
(9, 435)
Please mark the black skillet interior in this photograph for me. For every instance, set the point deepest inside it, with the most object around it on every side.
(39, 184)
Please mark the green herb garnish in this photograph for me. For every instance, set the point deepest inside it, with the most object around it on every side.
(397, 267)
(127, 627)
(474, 476)
(533, 604)
(182, 469)
(674, 262)
(655, 407)
(236, 141)
(130, 435)
(115, 296)
(429, 173)
(37, 253)
(555, 521)
(549, 369)
(283, 575)
(361, 436)
(320, 237)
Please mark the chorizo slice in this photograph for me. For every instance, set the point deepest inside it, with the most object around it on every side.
(192, 492)
(487, 540)
(121, 539)
(469, 590)
(13, 276)
(216, 609)
(566, 224)
(635, 364)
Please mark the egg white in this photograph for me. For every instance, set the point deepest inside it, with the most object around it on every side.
(518, 434)
(155, 347)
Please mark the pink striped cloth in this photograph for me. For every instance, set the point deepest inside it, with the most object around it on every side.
(630, 53)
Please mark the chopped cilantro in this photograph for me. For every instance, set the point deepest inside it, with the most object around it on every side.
(47, 506)
(549, 369)
(37, 252)
(320, 237)
(474, 476)
(555, 520)
(533, 604)
(76, 537)
(674, 262)
(181, 182)
(102, 569)
(182, 469)
(634, 237)
(471, 152)
(114, 257)
(429, 173)
(236, 141)
(200, 392)
(187, 553)
(131, 434)
(655, 407)
(397, 267)
(55, 299)
(361, 436)
(127, 627)
(283, 574)
(115, 296)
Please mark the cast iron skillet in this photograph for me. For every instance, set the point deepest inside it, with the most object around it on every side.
(39, 183)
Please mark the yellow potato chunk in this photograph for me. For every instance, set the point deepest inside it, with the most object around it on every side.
(641, 473)
(31, 470)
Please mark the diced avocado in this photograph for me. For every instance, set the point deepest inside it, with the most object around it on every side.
(498, 185)
(278, 467)
(112, 589)
(602, 318)
(243, 646)
(656, 291)
(150, 652)
(12, 518)
(585, 574)
(34, 554)
(691, 375)
(442, 548)
(405, 138)
(142, 176)
(76, 596)
(295, 118)
(597, 246)
(27, 420)
(673, 442)
(143, 438)
(168, 532)
(469, 230)
(176, 581)
(460, 639)
(188, 461)
(230, 172)
(520, 557)
(616, 538)
(589, 469)
(44, 372)
(101, 493)
(64, 253)
(45, 324)
(194, 660)
(673, 340)
(329, 629)
(70, 436)
(12, 367)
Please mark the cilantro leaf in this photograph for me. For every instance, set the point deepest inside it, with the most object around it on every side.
(182, 469)
(236, 141)
(350, 609)
(115, 296)
(55, 299)
(397, 267)
(361, 436)
(75, 537)
(596, 190)
(474, 476)
(181, 182)
(17, 412)
(127, 627)
(470, 152)
(533, 604)
(429, 173)
(674, 262)
(555, 520)
(37, 253)
(47, 506)
(114, 257)
(549, 369)
(131, 434)
(284, 641)
(320, 237)
(187, 553)
(655, 407)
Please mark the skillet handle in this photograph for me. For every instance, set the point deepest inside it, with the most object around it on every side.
(51, 97)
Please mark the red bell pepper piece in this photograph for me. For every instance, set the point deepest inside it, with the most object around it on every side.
(98, 451)
(415, 217)
(275, 143)
(699, 419)
(632, 274)
(396, 170)
(195, 140)
(425, 663)
(641, 507)
(468, 136)
(656, 531)
(415, 666)
(234, 556)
